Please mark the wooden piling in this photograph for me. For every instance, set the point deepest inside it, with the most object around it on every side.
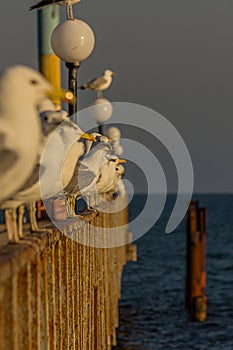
(195, 262)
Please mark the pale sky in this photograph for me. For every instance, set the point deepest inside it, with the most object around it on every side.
(174, 56)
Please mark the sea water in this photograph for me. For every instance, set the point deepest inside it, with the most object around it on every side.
(152, 308)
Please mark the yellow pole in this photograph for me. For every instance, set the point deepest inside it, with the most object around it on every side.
(49, 63)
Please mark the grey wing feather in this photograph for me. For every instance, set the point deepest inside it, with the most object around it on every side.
(7, 159)
(95, 83)
(7, 156)
(82, 178)
(34, 177)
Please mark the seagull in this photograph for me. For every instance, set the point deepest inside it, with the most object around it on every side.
(99, 84)
(121, 189)
(70, 164)
(86, 176)
(68, 3)
(83, 182)
(21, 89)
(97, 138)
(59, 158)
(110, 191)
(30, 192)
(110, 175)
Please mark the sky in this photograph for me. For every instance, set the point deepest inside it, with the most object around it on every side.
(174, 56)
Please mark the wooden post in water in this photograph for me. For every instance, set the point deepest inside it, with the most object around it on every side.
(195, 262)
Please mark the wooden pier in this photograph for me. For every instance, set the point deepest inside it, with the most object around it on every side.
(56, 293)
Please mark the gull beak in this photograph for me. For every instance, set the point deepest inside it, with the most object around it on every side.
(70, 122)
(113, 73)
(88, 137)
(60, 94)
(120, 161)
(65, 118)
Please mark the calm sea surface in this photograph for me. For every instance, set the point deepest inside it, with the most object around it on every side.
(152, 312)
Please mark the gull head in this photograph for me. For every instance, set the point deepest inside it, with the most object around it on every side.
(29, 86)
(109, 73)
(51, 119)
(120, 170)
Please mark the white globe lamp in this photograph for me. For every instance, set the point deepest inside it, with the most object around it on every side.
(73, 41)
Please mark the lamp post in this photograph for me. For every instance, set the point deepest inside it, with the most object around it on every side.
(101, 110)
(49, 65)
(115, 134)
(72, 85)
(73, 41)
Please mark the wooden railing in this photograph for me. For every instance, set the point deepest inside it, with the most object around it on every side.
(56, 293)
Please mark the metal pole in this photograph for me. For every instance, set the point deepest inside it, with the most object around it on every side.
(101, 129)
(49, 64)
(72, 82)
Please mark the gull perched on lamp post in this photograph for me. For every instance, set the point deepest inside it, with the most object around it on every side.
(68, 3)
(99, 84)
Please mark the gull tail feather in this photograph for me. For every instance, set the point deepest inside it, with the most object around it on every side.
(42, 4)
(83, 87)
(34, 7)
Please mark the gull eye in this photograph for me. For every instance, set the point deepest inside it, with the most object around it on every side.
(46, 118)
(33, 82)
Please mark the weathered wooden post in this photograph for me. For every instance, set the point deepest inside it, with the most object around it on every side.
(195, 262)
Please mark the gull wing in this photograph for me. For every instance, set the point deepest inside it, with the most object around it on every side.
(95, 83)
(7, 156)
(34, 177)
(44, 3)
(82, 179)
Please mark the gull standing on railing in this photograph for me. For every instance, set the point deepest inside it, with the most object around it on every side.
(21, 89)
(84, 181)
(109, 176)
(68, 3)
(30, 192)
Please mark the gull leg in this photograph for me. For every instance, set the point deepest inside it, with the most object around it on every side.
(69, 207)
(33, 220)
(74, 204)
(11, 225)
(12, 228)
(99, 94)
(89, 208)
(32, 217)
(21, 212)
(69, 12)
